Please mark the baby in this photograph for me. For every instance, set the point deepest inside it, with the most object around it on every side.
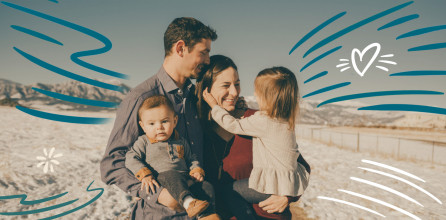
(162, 156)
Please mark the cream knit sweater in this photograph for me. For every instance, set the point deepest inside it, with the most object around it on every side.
(275, 152)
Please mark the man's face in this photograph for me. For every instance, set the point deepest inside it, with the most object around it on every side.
(158, 123)
(196, 58)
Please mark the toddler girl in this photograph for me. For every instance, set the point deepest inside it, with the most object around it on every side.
(275, 152)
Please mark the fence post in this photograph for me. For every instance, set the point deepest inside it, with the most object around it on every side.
(433, 149)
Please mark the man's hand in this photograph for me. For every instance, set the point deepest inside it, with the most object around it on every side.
(197, 177)
(149, 182)
(209, 98)
(167, 200)
(274, 204)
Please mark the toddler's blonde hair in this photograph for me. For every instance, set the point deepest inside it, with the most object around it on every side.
(277, 89)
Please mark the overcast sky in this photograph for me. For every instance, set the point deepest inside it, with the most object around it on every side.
(255, 34)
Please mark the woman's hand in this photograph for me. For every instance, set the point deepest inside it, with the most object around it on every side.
(274, 204)
(209, 98)
(149, 183)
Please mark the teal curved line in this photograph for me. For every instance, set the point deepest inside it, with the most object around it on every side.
(55, 1)
(421, 73)
(316, 76)
(63, 118)
(33, 202)
(36, 34)
(76, 99)
(421, 31)
(40, 210)
(315, 30)
(320, 57)
(380, 93)
(428, 47)
(67, 73)
(75, 56)
(355, 26)
(326, 89)
(399, 21)
(406, 107)
(79, 207)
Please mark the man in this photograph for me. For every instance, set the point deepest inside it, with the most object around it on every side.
(187, 43)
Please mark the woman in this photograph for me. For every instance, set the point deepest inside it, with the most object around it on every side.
(228, 157)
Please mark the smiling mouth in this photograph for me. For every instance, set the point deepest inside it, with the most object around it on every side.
(229, 101)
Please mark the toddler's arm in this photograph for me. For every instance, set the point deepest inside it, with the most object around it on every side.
(252, 126)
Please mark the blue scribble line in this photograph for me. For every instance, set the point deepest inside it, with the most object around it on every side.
(421, 73)
(317, 29)
(380, 93)
(75, 56)
(399, 21)
(82, 206)
(63, 118)
(40, 210)
(313, 61)
(406, 107)
(36, 34)
(355, 26)
(316, 76)
(67, 73)
(428, 47)
(326, 89)
(76, 99)
(421, 31)
(23, 197)
(55, 1)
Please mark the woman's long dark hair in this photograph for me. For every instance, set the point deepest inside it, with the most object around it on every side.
(217, 64)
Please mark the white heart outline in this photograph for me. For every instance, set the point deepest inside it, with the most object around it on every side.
(361, 54)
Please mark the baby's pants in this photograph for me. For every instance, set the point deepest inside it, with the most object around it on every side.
(181, 185)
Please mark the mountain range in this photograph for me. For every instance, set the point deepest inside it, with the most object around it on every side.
(335, 114)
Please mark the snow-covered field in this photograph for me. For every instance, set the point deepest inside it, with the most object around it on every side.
(332, 168)
(24, 137)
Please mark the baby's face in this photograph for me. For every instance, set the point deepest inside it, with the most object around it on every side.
(158, 123)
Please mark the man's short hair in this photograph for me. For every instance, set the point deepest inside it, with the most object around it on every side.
(188, 29)
(153, 102)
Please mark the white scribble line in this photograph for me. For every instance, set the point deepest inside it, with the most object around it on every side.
(344, 60)
(346, 68)
(383, 68)
(403, 180)
(393, 168)
(387, 61)
(381, 202)
(387, 55)
(342, 64)
(386, 189)
(351, 204)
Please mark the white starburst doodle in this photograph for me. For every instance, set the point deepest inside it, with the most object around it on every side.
(48, 160)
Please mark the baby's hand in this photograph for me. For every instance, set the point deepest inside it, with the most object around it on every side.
(209, 98)
(149, 182)
(197, 177)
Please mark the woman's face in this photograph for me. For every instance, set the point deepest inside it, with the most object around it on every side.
(226, 89)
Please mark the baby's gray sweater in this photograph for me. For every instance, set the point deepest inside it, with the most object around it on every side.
(160, 156)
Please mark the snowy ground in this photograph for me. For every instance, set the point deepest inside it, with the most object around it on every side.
(23, 138)
(332, 168)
